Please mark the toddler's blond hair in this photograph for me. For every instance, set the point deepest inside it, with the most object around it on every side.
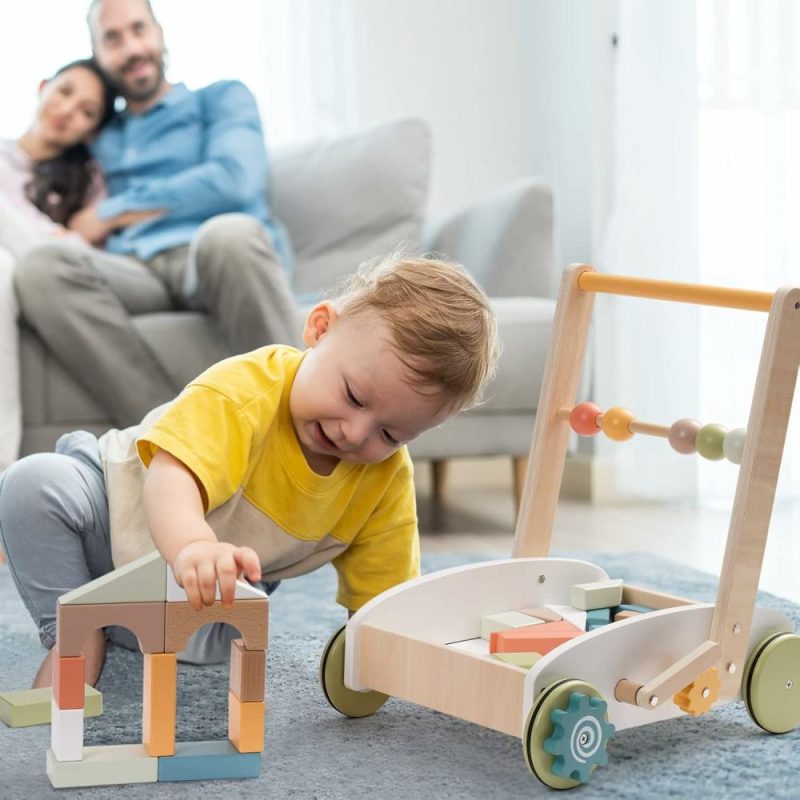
(440, 321)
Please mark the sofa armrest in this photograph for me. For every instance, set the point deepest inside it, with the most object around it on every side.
(506, 241)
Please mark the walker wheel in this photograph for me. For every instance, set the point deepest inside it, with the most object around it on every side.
(331, 675)
(771, 683)
(566, 734)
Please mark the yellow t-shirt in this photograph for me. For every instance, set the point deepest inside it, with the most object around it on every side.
(232, 428)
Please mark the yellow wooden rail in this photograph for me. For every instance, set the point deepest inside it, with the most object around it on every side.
(591, 281)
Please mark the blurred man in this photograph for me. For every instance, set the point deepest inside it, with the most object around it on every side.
(191, 168)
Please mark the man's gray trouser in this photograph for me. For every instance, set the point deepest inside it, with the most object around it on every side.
(54, 530)
(80, 300)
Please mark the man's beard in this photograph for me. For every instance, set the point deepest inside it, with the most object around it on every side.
(130, 89)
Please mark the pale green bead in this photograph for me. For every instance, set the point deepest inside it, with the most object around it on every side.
(733, 445)
(709, 441)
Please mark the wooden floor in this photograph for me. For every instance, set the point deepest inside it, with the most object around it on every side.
(477, 516)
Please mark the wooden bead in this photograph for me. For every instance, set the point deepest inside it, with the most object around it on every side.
(616, 422)
(709, 441)
(583, 419)
(682, 434)
(733, 445)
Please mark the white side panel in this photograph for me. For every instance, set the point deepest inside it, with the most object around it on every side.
(447, 606)
(66, 732)
(638, 649)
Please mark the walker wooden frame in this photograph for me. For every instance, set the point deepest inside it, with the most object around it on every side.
(399, 643)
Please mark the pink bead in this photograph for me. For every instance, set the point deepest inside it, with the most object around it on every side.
(583, 419)
(682, 434)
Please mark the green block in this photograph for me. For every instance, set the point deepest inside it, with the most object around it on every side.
(525, 660)
(28, 707)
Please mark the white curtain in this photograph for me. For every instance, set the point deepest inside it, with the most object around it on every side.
(707, 160)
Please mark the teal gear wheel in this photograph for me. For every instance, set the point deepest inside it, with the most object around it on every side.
(580, 736)
(541, 727)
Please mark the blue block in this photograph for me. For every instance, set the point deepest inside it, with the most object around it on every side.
(630, 607)
(597, 617)
(202, 761)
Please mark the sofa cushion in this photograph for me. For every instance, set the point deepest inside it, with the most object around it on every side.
(349, 199)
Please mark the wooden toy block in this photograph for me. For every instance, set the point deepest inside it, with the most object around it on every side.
(248, 672)
(599, 594)
(536, 638)
(68, 677)
(525, 660)
(620, 615)
(104, 766)
(572, 615)
(32, 706)
(544, 614)
(633, 607)
(249, 617)
(75, 622)
(244, 591)
(159, 703)
(141, 581)
(196, 761)
(505, 620)
(66, 732)
(597, 618)
(245, 725)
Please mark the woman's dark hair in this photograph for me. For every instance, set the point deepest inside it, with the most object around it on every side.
(59, 185)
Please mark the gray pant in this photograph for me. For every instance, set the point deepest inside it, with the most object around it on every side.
(54, 531)
(80, 300)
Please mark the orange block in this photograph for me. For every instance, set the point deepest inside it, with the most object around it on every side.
(246, 724)
(68, 677)
(620, 615)
(533, 638)
(159, 703)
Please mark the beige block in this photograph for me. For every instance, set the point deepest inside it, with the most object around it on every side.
(107, 765)
(504, 621)
(598, 594)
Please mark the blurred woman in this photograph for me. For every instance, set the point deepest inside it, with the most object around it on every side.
(46, 176)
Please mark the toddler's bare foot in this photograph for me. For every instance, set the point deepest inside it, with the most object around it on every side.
(94, 651)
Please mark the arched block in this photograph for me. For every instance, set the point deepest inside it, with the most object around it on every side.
(75, 622)
(249, 617)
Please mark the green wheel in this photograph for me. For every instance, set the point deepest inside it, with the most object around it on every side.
(771, 683)
(566, 734)
(331, 676)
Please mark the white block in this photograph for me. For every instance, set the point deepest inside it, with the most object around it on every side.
(600, 594)
(572, 615)
(66, 732)
(244, 591)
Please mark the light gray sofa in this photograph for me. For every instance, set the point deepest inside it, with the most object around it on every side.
(344, 201)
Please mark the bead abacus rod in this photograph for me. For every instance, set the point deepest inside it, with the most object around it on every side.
(591, 281)
(635, 426)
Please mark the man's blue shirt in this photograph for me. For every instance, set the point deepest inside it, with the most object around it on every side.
(194, 154)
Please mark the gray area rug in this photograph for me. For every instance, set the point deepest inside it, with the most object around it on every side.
(404, 751)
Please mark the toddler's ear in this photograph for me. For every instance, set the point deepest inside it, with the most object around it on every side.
(318, 322)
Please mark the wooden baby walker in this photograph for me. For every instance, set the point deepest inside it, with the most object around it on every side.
(630, 655)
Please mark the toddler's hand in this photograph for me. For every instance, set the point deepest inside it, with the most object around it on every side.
(201, 565)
